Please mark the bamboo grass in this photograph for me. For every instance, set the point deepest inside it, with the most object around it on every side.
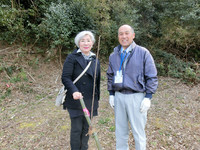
(87, 116)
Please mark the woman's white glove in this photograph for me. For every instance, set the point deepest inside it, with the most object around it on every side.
(111, 101)
(145, 105)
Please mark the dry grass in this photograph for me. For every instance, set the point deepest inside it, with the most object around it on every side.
(30, 120)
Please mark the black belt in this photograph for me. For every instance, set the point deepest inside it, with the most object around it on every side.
(127, 91)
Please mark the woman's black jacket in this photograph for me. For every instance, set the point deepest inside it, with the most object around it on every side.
(74, 64)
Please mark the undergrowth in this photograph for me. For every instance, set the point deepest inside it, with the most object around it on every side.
(13, 70)
(168, 65)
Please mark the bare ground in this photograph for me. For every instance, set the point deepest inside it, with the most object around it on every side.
(31, 121)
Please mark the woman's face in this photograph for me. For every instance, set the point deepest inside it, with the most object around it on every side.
(85, 44)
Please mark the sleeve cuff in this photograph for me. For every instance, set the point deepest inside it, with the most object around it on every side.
(111, 92)
(149, 95)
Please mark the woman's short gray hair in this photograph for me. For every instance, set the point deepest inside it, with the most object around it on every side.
(81, 34)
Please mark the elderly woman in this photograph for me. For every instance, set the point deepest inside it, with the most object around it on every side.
(74, 65)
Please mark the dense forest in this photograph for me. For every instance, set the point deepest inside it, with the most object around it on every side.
(169, 29)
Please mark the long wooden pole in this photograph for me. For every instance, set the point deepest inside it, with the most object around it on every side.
(87, 116)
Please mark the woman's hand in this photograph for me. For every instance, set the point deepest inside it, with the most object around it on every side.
(77, 95)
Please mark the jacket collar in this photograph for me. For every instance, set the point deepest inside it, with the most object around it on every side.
(131, 47)
(91, 53)
(83, 62)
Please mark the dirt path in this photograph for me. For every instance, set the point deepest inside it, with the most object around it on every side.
(30, 120)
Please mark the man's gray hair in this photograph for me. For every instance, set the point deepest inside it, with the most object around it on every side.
(132, 29)
(81, 34)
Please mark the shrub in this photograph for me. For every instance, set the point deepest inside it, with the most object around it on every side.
(62, 22)
(11, 24)
(168, 65)
(14, 24)
(180, 29)
(55, 27)
(190, 76)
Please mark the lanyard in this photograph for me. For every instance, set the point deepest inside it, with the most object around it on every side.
(123, 57)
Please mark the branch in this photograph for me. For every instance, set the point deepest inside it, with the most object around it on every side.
(30, 76)
(5, 49)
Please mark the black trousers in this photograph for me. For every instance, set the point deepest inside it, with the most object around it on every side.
(79, 129)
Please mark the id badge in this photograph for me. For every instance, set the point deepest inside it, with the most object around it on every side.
(119, 77)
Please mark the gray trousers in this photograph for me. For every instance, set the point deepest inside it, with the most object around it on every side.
(127, 109)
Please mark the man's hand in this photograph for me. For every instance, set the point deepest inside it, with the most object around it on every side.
(111, 101)
(145, 105)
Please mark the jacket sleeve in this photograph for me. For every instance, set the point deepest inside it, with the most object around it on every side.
(99, 80)
(67, 75)
(110, 75)
(150, 74)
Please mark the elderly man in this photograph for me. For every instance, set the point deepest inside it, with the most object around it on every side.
(132, 79)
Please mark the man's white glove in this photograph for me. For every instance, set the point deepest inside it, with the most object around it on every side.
(145, 105)
(111, 101)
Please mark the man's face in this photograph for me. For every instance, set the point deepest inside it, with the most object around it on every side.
(125, 36)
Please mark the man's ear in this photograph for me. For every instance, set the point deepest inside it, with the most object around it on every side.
(133, 35)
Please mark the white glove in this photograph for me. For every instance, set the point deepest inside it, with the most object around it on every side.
(111, 101)
(145, 105)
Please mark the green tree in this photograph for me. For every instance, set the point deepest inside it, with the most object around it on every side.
(55, 27)
(180, 28)
(61, 23)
